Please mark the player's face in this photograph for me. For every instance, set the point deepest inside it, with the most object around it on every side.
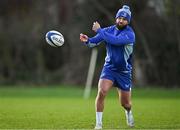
(121, 22)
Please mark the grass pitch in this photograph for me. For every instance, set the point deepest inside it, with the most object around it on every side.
(62, 107)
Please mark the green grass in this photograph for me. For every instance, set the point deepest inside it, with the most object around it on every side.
(64, 108)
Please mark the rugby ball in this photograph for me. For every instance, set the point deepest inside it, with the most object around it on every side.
(54, 38)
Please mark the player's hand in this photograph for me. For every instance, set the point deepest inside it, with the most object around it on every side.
(96, 26)
(83, 37)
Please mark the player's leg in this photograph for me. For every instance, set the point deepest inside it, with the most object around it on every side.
(104, 86)
(125, 99)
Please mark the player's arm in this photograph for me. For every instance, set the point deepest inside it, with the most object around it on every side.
(91, 42)
(124, 38)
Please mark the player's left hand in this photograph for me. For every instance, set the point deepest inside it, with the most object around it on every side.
(96, 26)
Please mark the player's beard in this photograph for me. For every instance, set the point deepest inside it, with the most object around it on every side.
(120, 26)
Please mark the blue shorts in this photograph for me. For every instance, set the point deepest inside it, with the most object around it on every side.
(121, 80)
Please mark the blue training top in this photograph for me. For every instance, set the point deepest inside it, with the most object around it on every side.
(119, 46)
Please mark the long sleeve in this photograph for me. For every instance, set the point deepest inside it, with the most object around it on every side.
(94, 41)
(126, 37)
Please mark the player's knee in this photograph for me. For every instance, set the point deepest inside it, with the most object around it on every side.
(102, 93)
